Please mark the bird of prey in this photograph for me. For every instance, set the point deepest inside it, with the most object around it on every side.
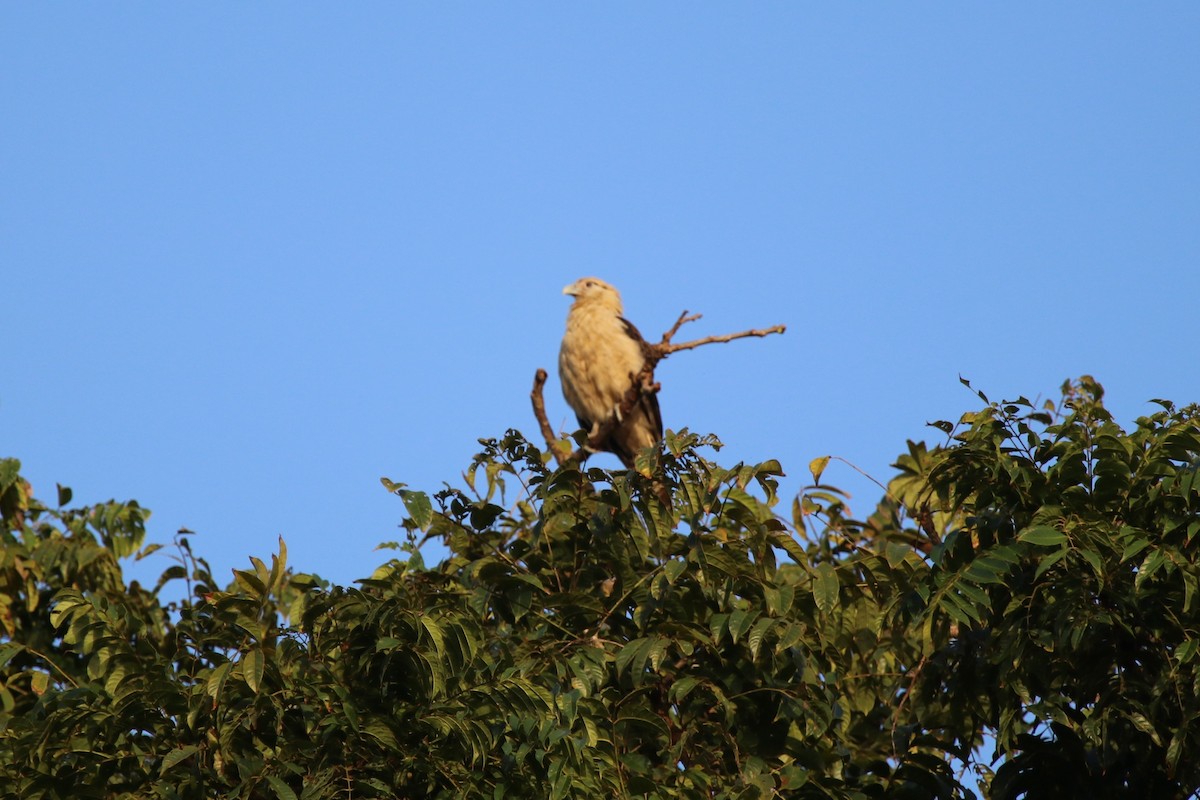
(600, 356)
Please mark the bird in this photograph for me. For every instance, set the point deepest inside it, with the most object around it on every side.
(601, 355)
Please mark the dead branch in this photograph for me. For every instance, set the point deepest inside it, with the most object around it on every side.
(924, 520)
(641, 384)
(539, 411)
(679, 323)
(729, 337)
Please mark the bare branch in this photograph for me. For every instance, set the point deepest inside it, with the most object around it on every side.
(539, 411)
(924, 520)
(679, 323)
(667, 349)
(641, 384)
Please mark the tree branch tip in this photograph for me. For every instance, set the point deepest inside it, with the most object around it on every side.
(679, 323)
(539, 412)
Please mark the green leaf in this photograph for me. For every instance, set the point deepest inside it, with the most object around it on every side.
(253, 665)
(960, 610)
(986, 570)
(636, 655)
(681, 688)
(118, 671)
(1175, 748)
(175, 756)
(1148, 567)
(1042, 535)
(282, 790)
(975, 595)
(436, 634)
(8, 650)
(779, 598)
(1144, 725)
(216, 680)
(897, 553)
(379, 730)
(1046, 562)
(758, 632)
(250, 583)
(789, 545)
(740, 621)
(10, 471)
(826, 588)
(1093, 559)
(419, 507)
(1134, 547)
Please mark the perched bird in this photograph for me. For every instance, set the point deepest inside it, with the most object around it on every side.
(600, 356)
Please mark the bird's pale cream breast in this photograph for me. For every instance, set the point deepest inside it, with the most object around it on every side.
(597, 358)
(600, 356)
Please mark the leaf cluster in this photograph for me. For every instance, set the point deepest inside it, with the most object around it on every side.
(1030, 583)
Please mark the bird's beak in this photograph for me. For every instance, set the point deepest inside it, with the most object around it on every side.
(571, 290)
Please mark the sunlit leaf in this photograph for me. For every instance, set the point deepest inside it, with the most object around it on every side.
(817, 468)
(418, 506)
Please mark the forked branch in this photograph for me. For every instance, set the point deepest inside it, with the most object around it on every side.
(729, 337)
(640, 384)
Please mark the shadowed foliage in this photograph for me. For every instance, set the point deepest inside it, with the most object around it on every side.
(1022, 600)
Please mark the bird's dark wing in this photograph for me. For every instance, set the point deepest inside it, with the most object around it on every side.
(633, 333)
(649, 404)
(644, 414)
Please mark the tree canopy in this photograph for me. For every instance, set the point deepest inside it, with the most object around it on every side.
(1022, 599)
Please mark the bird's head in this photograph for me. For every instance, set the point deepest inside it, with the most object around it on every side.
(587, 291)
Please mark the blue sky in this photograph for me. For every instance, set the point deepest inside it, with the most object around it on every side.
(255, 256)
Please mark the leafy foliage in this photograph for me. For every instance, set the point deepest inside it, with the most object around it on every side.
(1031, 584)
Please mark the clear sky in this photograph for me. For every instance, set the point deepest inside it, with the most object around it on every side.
(254, 256)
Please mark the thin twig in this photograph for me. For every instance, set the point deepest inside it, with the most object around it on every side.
(56, 667)
(679, 323)
(729, 337)
(913, 677)
(923, 517)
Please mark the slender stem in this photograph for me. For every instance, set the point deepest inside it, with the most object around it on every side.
(667, 349)
(56, 667)
(679, 323)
